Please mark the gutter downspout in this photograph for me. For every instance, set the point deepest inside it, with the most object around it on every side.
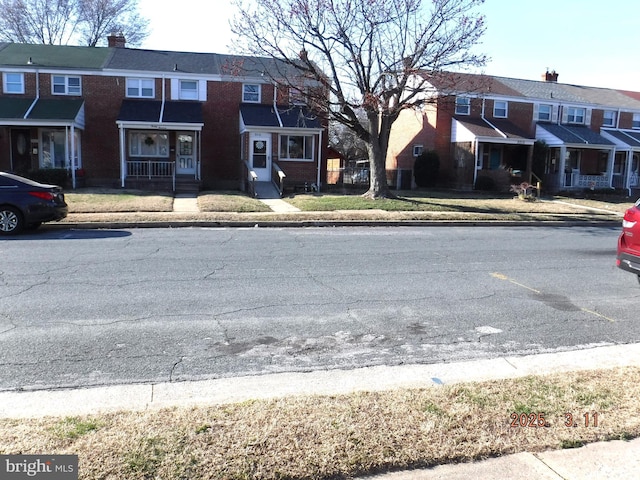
(163, 100)
(275, 108)
(35, 100)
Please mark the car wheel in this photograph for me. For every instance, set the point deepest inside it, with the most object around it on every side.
(638, 278)
(10, 221)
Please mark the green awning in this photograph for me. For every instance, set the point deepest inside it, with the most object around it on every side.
(43, 111)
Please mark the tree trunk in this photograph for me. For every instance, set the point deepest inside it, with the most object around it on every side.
(377, 148)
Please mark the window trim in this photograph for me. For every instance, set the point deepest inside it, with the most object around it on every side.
(635, 121)
(6, 83)
(195, 92)
(66, 85)
(572, 117)
(465, 102)
(540, 106)
(140, 87)
(418, 148)
(613, 118)
(286, 158)
(495, 109)
(245, 93)
(144, 134)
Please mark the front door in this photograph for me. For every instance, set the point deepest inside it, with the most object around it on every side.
(186, 154)
(260, 150)
(20, 150)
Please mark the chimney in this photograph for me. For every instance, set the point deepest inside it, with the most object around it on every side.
(117, 40)
(550, 76)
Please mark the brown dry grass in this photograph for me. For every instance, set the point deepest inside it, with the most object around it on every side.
(321, 437)
(100, 200)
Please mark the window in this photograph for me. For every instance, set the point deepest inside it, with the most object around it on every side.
(636, 120)
(140, 87)
(417, 150)
(62, 85)
(188, 90)
(148, 144)
(13, 83)
(575, 115)
(296, 147)
(544, 113)
(463, 105)
(54, 151)
(609, 119)
(500, 109)
(251, 93)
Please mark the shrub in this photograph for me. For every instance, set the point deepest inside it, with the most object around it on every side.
(426, 169)
(486, 184)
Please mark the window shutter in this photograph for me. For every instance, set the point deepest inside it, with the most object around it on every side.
(564, 115)
(554, 113)
(587, 117)
(536, 112)
(175, 89)
(202, 90)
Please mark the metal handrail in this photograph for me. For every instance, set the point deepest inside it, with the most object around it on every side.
(254, 178)
(281, 176)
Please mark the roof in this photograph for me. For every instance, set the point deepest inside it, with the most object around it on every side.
(151, 111)
(260, 115)
(498, 129)
(58, 56)
(451, 83)
(572, 134)
(43, 109)
(626, 138)
(191, 63)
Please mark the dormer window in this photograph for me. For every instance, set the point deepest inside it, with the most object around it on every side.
(463, 105)
(500, 109)
(251, 93)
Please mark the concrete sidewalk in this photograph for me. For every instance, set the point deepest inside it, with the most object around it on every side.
(606, 460)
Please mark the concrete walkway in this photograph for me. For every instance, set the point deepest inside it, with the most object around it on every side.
(278, 205)
(614, 460)
(186, 203)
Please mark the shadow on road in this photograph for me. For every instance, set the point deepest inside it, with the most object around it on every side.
(45, 233)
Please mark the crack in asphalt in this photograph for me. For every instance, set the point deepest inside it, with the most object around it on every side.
(173, 368)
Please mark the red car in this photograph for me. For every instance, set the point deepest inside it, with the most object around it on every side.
(629, 241)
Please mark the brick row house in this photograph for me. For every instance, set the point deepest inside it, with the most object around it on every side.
(121, 117)
(488, 132)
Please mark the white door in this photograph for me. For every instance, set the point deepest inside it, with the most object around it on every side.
(186, 154)
(260, 153)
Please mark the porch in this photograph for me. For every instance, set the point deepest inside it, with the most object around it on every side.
(160, 175)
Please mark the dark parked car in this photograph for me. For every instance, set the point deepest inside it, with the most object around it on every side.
(25, 204)
(629, 241)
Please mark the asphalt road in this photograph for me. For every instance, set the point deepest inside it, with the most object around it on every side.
(100, 307)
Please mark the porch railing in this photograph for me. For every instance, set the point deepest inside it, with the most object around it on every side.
(590, 181)
(152, 169)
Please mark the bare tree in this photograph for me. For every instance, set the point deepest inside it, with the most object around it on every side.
(367, 54)
(98, 18)
(61, 22)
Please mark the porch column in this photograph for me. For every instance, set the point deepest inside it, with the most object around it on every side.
(73, 160)
(627, 170)
(562, 164)
(123, 166)
(529, 170)
(610, 166)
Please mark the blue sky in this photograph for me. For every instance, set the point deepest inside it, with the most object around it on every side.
(588, 42)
